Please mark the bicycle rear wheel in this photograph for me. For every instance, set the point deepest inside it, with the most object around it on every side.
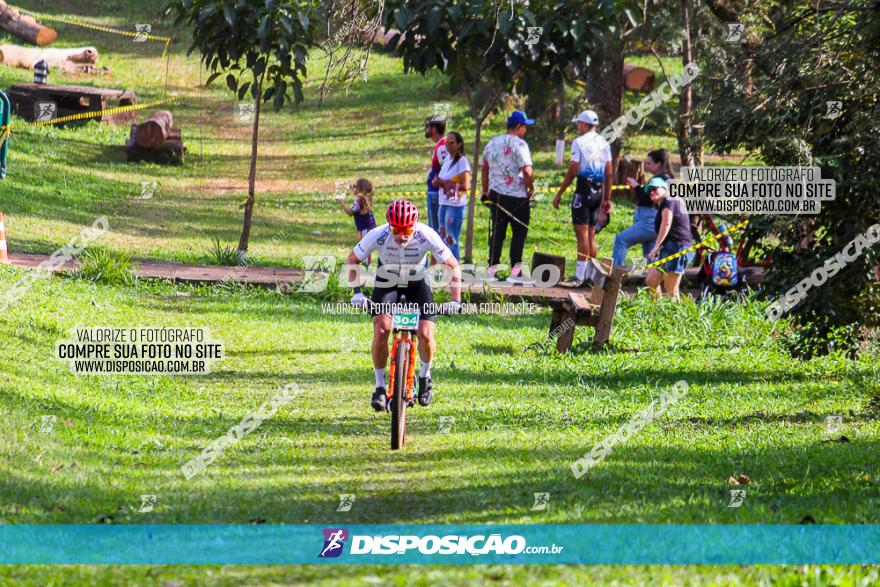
(398, 402)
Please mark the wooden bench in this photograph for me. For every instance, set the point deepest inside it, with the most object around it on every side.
(597, 312)
(72, 100)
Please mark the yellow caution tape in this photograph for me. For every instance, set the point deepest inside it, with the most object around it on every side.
(96, 113)
(96, 27)
(696, 246)
(422, 193)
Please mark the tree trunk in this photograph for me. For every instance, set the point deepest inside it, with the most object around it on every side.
(472, 201)
(604, 89)
(16, 56)
(686, 97)
(252, 176)
(25, 27)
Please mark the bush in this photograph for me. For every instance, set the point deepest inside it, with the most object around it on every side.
(820, 337)
(100, 265)
(222, 254)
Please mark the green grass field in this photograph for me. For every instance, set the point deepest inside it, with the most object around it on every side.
(521, 417)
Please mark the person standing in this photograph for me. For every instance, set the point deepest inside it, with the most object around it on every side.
(673, 227)
(642, 229)
(364, 221)
(435, 129)
(453, 181)
(508, 185)
(591, 165)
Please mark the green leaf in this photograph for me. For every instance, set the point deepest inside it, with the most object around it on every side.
(401, 17)
(280, 95)
(204, 14)
(263, 30)
(229, 14)
(213, 77)
(231, 82)
(433, 20)
(303, 20)
(287, 23)
(243, 90)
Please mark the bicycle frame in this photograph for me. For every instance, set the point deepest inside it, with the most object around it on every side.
(398, 337)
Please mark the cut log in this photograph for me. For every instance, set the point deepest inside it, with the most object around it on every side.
(25, 57)
(638, 79)
(155, 130)
(25, 27)
(169, 152)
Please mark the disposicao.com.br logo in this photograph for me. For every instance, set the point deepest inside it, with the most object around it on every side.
(479, 544)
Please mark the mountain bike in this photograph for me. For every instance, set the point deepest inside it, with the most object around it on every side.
(401, 381)
(402, 373)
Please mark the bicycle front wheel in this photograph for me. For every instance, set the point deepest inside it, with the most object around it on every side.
(398, 402)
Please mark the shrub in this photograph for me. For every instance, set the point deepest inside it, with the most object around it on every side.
(222, 254)
(100, 265)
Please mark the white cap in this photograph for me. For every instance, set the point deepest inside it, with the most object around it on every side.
(587, 117)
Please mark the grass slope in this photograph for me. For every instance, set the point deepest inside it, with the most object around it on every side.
(520, 419)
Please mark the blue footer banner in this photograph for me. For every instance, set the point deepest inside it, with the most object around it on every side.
(438, 544)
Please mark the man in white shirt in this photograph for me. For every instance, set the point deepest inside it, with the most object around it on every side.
(508, 185)
(591, 165)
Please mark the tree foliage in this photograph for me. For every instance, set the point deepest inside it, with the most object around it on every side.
(248, 41)
(769, 95)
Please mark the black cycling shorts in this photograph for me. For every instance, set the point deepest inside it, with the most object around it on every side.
(587, 202)
(417, 293)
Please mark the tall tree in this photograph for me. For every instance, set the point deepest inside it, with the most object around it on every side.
(261, 48)
(797, 91)
(488, 48)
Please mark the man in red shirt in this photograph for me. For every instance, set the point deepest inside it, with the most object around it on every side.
(435, 129)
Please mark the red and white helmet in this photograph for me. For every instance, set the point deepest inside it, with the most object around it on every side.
(402, 214)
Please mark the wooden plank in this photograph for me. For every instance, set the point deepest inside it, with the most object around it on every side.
(578, 303)
(566, 336)
(588, 319)
(608, 307)
(556, 317)
(71, 100)
(597, 294)
(109, 93)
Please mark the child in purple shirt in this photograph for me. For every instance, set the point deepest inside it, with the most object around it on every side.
(361, 210)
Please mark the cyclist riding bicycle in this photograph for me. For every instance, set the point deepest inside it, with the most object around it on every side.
(402, 244)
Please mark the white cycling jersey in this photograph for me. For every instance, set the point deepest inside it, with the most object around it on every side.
(424, 239)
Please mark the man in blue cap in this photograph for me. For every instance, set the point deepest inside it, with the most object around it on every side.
(508, 185)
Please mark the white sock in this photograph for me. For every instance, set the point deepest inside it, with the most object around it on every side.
(581, 269)
(380, 377)
(425, 369)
